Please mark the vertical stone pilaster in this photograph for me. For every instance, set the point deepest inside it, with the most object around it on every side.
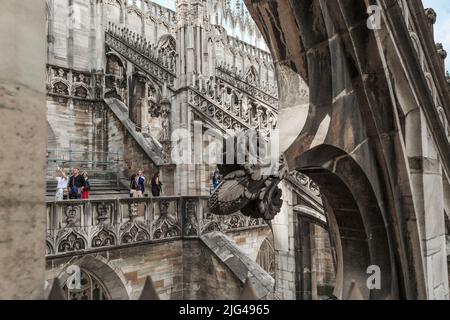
(22, 149)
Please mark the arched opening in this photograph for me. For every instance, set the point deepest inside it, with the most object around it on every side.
(358, 229)
(90, 288)
(99, 281)
(266, 256)
(351, 143)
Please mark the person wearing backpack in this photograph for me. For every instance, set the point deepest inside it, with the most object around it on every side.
(76, 184)
(135, 187)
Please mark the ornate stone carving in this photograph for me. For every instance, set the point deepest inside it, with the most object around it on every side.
(68, 83)
(103, 238)
(97, 233)
(71, 213)
(431, 15)
(245, 190)
(191, 222)
(103, 212)
(141, 53)
(441, 51)
(72, 242)
(134, 232)
(49, 248)
(165, 226)
(211, 227)
(235, 221)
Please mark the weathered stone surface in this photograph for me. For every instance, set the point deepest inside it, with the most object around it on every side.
(241, 265)
(22, 149)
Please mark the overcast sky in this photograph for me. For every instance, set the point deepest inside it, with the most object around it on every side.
(166, 3)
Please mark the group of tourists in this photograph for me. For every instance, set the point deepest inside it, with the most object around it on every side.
(77, 186)
(137, 185)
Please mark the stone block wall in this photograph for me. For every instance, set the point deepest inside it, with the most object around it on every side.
(134, 158)
(180, 269)
(205, 276)
(162, 261)
(249, 241)
(75, 126)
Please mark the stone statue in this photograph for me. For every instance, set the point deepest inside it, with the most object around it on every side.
(165, 123)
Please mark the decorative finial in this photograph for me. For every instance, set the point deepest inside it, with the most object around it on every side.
(441, 51)
(431, 15)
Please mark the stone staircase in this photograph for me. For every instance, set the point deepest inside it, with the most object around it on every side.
(100, 188)
(208, 103)
(151, 146)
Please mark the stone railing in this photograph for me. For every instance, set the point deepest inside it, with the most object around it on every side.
(264, 91)
(73, 84)
(246, 48)
(308, 189)
(230, 109)
(225, 119)
(75, 226)
(153, 60)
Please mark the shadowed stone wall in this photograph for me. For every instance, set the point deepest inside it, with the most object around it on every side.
(181, 269)
(22, 149)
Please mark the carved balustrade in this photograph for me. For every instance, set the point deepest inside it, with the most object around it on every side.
(264, 91)
(230, 108)
(151, 59)
(86, 225)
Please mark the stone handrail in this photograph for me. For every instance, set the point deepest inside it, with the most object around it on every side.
(75, 226)
(135, 48)
(228, 115)
(225, 119)
(264, 92)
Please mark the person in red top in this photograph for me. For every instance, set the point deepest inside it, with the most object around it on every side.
(87, 186)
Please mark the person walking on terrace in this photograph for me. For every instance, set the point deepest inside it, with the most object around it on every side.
(135, 186)
(156, 185)
(76, 184)
(61, 186)
(87, 186)
(141, 181)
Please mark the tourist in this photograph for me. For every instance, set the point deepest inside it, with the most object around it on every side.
(141, 181)
(61, 186)
(87, 186)
(76, 184)
(156, 185)
(139, 187)
(216, 179)
(135, 186)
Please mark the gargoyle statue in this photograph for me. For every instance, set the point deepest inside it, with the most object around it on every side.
(249, 189)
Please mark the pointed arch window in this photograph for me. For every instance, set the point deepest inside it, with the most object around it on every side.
(90, 288)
